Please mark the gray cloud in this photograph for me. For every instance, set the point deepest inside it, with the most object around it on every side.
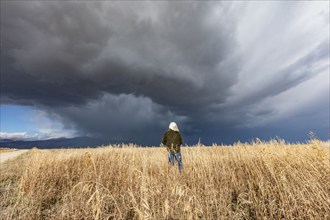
(126, 69)
(121, 118)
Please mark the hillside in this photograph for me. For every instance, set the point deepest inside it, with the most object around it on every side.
(77, 142)
(272, 180)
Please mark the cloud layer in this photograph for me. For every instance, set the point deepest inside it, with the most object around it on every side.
(124, 70)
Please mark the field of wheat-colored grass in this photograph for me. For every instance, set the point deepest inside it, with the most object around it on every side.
(263, 180)
(5, 150)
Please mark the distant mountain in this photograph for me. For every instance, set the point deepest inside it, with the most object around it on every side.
(77, 142)
(6, 140)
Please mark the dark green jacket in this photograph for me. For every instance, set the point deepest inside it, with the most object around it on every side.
(172, 140)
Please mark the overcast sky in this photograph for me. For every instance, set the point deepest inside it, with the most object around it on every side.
(224, 71)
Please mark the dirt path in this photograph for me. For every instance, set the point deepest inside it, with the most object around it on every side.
(9, 155)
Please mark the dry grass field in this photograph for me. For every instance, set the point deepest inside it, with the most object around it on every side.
(259, 180)
(5, 150)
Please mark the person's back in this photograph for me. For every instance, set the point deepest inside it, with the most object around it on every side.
(172, 140)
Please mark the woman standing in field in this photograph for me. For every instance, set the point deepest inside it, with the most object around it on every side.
(172, 140)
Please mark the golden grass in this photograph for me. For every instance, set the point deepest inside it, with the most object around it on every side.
(260, 180)
(5, 150)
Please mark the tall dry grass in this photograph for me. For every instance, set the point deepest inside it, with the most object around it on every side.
(5, 150)
(259, 180)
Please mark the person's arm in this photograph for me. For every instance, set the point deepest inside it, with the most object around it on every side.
(164, 138)
(180, 139)
(164, 141)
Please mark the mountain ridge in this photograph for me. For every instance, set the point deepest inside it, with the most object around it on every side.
(76, 142)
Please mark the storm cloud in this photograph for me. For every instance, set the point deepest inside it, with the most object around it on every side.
(123, 70)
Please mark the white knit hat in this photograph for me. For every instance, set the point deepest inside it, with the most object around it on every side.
(173, 126)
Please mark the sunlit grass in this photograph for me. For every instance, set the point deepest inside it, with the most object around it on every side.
(5, 150)
(259, 180)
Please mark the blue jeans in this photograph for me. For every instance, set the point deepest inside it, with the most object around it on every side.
(178, 157)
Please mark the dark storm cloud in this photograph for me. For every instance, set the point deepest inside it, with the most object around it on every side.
(118, 49)
(126, 69)
(121, 118)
